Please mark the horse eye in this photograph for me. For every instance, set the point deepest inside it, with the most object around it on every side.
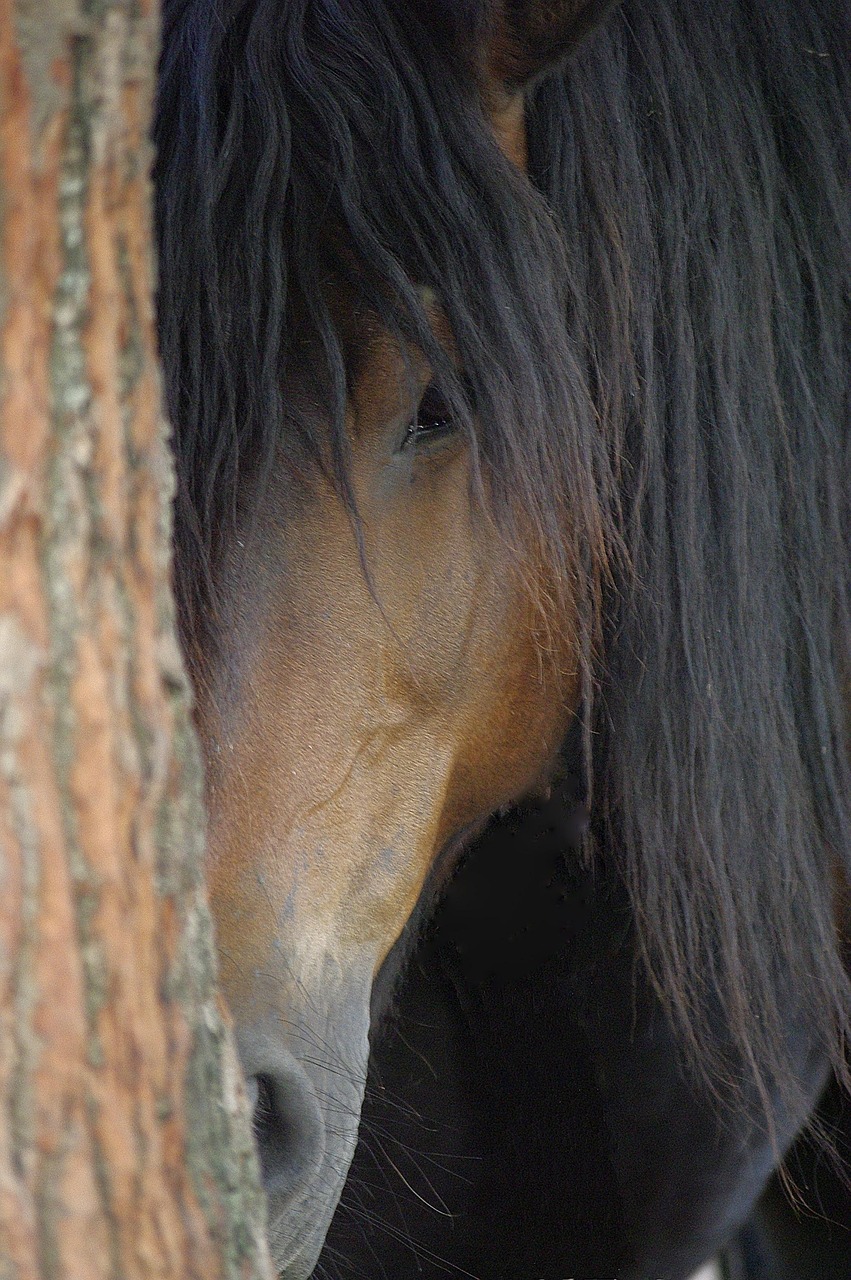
(432, 419)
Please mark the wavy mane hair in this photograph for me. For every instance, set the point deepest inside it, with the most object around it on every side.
(653, 337)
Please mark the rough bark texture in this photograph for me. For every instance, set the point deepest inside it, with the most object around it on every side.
(124, 1146)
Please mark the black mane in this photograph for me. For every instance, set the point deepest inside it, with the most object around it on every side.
(653, 335)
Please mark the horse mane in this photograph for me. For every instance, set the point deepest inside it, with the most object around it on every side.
(652, 337)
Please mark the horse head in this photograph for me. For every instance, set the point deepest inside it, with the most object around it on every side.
(393, 644)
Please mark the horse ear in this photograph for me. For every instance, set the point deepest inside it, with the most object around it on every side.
(529, 37)
(510, 43)
(518, 40)
(524, 40)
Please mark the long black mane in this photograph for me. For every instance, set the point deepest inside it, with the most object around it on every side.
(652, 337)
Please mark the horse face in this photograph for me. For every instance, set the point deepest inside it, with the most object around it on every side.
(372, 690)
(355, 723)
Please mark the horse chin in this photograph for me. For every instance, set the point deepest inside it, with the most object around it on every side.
(295, 1246)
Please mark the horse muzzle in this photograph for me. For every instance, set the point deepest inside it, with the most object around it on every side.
(305, 1070)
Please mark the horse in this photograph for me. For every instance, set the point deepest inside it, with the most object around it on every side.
(504, 348)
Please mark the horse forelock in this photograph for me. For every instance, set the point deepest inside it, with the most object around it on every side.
(651, 342)
(309, 156)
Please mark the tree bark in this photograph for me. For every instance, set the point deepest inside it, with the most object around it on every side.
(125, 1148)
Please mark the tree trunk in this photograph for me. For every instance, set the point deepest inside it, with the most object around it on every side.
(125, 1149)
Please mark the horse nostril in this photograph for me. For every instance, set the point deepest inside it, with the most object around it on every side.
(288, 1129)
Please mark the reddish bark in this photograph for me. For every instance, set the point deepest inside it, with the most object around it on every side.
(124, 1146)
